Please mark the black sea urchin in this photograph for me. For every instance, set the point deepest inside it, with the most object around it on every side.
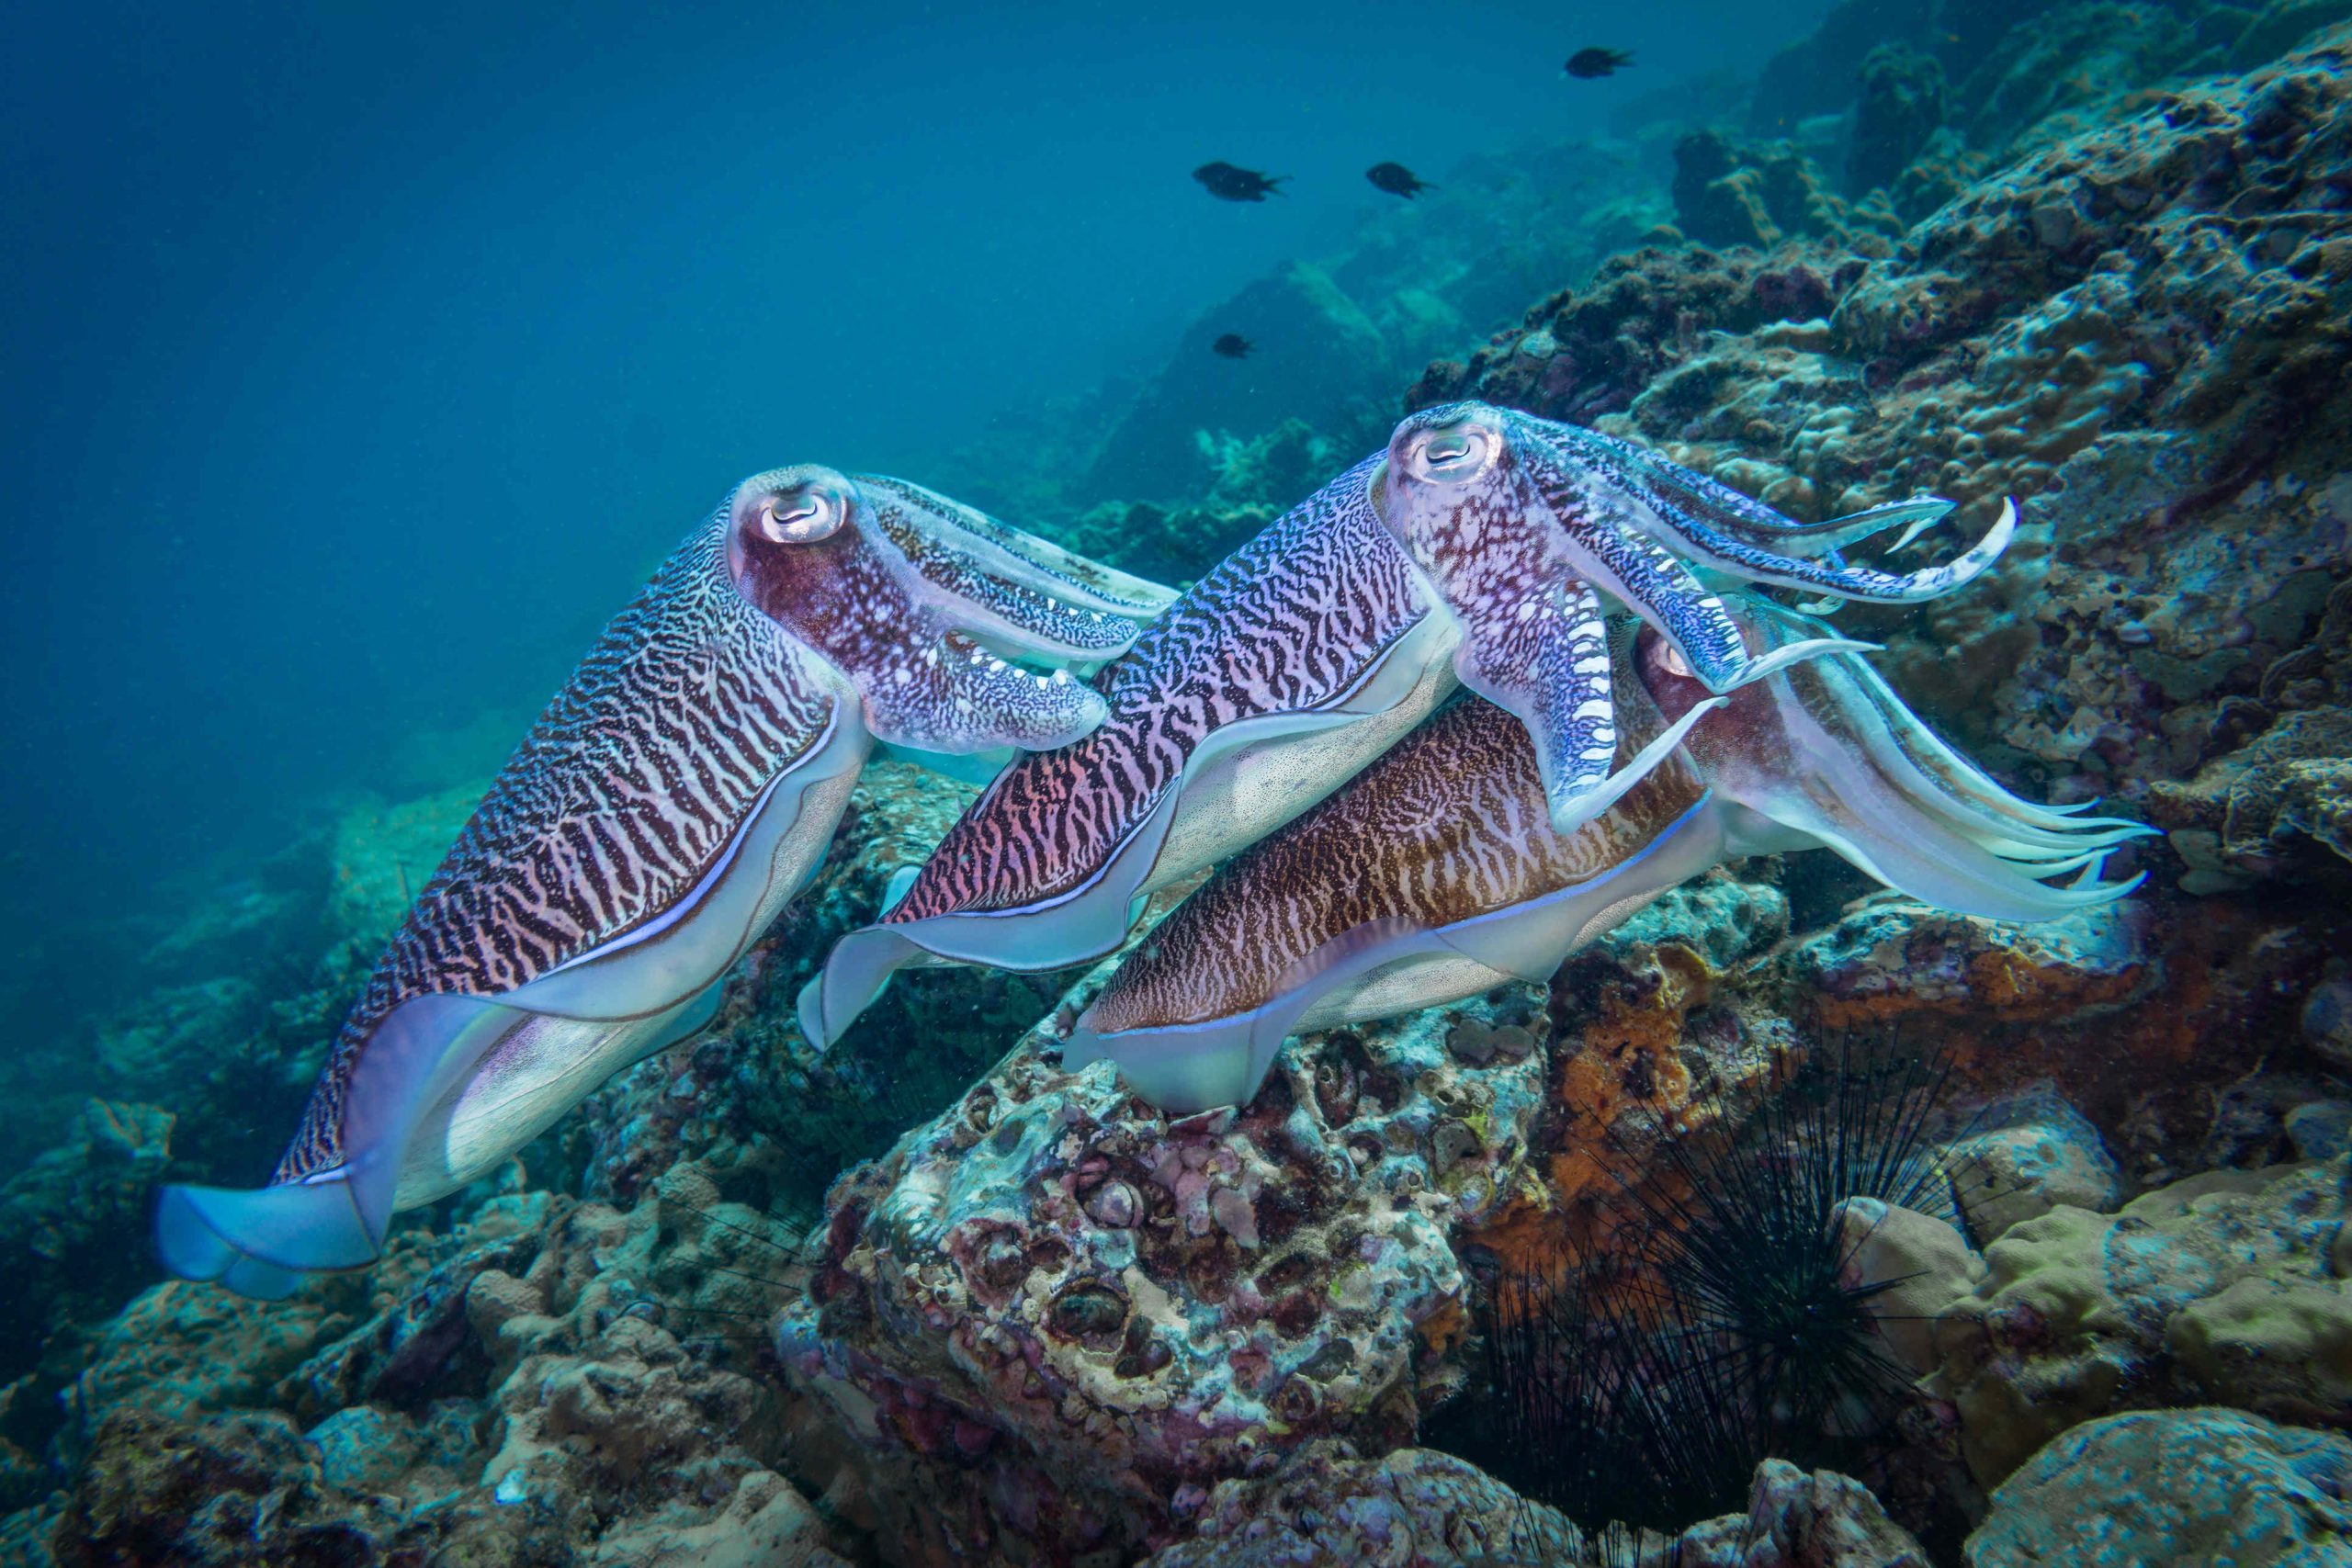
(1725, 1326)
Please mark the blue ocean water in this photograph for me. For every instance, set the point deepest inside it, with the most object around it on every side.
(361, 361)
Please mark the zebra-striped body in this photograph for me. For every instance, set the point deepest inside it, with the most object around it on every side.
(1450, 825)
(1436, 873)
(1289, 623)
(659, 815)
(617, 802)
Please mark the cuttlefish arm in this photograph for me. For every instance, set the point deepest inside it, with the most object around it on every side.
(1313, 637)
(668, 804)
(906, 512)
(1548, 664)
(1435, 874)
(1672, 488)
(1826, 751)
(1603, 488)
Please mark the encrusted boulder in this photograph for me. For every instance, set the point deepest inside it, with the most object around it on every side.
(2228, 1287)
(1055, 1282)
(2022, 1156)
(629, 1423)
(1409, 1509)
(2152, 1020)
(236, 1491)
(2173, 1488)
(1797, 1518)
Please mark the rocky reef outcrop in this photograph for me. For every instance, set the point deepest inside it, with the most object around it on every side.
(2194, 1485)
(1056, 1289)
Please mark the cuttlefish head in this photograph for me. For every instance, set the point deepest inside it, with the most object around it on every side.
(917, 602)
(1824, 753)
(1526, 530)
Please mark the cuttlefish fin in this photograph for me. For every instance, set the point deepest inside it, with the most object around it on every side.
(956, 697)
(976, 768)
(1547, 663)
(896, 888)
(853, 977)
(260, 1242)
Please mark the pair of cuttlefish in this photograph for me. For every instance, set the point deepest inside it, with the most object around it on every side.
(1269, 720)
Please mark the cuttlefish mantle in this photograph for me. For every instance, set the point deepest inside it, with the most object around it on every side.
(1436, 874)
(667, 804)
(1283, 670)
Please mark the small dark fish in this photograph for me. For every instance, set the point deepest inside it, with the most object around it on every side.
(1397, 180)
(1233, 345)
(1228, 184)
(1586, 63)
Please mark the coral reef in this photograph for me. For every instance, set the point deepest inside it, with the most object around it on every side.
(929, 1299)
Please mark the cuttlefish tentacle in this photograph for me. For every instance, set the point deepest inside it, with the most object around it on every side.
(1436, 874)
(665, 808)
(1950, 773)
(1283, 670)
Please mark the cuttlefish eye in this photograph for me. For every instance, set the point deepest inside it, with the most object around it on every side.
(799, 515)
(1453, 455)
(1668, 675)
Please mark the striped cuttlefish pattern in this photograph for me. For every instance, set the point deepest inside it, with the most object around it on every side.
(1290, 622)
(1451, 824)
(621, 798)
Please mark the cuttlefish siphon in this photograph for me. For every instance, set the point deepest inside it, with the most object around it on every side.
(667, 804)
(1475, 548)
(1436, 874)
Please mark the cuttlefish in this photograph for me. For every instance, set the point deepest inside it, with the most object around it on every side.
(1437, 874)
(1480, 547)
(667, 804)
